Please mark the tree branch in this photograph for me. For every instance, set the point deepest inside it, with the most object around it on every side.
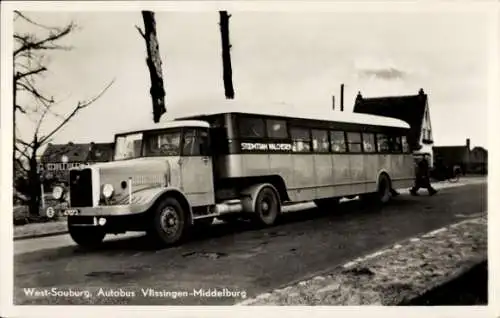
(80, 106)
(46, 44)
(21, 15)
(27, 86)
(20, 75)
(141, 32)
(21, 152)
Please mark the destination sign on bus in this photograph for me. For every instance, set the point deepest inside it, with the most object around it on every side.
(257, 146)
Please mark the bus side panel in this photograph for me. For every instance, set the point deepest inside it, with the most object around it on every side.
(282, 165)
(229, 166)
(324, 175)
(342, 174)
(397, 162)
(255, 165)
(303, 188)
(371, 172)
(384, 163)
(403, 165)
(358, 174)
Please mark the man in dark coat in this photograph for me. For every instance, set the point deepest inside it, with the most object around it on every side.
(422, 179)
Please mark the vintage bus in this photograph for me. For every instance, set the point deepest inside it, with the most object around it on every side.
(168, 177)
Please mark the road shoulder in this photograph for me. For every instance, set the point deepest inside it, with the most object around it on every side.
(394, 275)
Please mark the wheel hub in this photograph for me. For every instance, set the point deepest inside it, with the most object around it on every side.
(169, 220)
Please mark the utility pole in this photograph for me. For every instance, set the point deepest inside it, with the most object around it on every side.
(226, 55)
(154, 63)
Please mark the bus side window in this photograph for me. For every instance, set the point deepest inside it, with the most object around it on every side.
(354, 142)
(204, 142)
(369, 142)
(276, 129)
(338, 141)
(383, 143)
(320, 141)
(406, 146)
(189, 147)
(395, 143)
(251, 127)
(301, 139)
(195, 143)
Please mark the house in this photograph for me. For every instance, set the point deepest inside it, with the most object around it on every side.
(57, 159)
(470, 161)
(413, 109)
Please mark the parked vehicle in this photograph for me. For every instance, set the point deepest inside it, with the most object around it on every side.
(169, 176)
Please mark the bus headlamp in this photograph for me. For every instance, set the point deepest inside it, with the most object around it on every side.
(107, 190)
(57, 192)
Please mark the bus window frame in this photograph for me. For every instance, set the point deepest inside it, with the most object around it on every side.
(197, 131)
(290, 127)
(360, 143)
(242, 117)
(327, 131)
(375, 150)
(344, 134)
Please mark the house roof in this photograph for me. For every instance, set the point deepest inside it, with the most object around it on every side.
(480, 149)
(74, 152)
(101, 152)
(410, 108)
(78, 152)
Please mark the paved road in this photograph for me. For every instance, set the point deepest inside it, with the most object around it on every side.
(239, 259)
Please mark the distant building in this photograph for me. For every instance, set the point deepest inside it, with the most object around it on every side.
(57, 159)
(470, 160)
(413, 109)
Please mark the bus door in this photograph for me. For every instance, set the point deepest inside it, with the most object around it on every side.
(196, 167)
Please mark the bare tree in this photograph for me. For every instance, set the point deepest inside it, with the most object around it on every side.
(29, 64)
(154, 63)
(226, 55)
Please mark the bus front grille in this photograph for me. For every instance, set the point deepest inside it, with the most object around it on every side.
(80, 187)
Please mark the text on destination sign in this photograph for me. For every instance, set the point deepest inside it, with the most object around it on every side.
(265, 146)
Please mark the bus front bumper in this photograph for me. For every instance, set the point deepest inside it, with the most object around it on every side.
(112, 210)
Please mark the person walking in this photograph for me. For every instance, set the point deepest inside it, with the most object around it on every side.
(422, 179)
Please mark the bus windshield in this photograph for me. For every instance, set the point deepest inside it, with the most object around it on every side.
(162, 143)
(148, 144)
(128, 146)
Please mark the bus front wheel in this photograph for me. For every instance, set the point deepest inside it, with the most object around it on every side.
(169, 223)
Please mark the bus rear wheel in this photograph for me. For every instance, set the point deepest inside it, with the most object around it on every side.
(88, 237)
(169, 223)
(267, 207)
(384, 189)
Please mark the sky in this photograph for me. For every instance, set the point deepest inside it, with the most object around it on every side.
(298, 58)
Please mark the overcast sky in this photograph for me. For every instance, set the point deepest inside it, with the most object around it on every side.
(292, 57)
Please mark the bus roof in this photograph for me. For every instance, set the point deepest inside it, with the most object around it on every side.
(289, 111)
(164, 124)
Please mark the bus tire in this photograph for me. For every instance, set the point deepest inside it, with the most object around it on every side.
(169, 224)
(88, 237)
(384, 189)
(267, 207)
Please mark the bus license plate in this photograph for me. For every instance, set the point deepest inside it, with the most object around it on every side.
(71, 212)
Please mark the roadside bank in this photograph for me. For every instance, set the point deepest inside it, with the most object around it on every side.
(399, 274)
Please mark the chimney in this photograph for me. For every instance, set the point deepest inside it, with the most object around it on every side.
(341, 97)
(333, 102)
(467, 143)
